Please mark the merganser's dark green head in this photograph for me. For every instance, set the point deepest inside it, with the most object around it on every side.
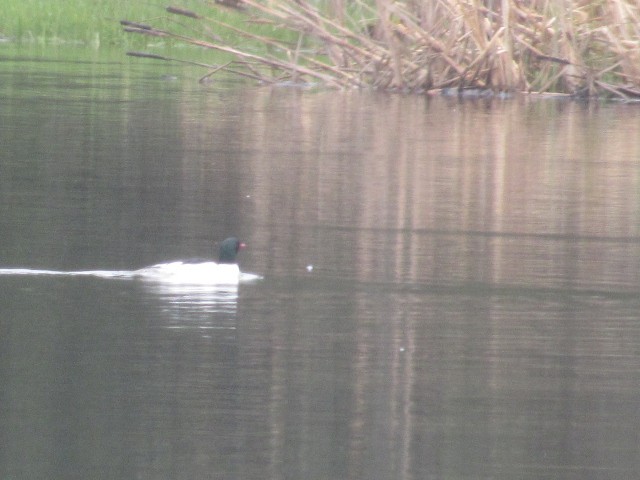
(229, 250)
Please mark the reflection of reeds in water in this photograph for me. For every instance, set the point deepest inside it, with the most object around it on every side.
(582, 48)
(385, 177)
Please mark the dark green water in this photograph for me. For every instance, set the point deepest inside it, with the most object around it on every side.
(472, 311)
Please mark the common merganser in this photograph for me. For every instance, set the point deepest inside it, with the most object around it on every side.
(225, 272)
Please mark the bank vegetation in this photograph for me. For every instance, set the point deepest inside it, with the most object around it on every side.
(582, 48)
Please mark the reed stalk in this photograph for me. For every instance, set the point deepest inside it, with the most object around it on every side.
(579, 48)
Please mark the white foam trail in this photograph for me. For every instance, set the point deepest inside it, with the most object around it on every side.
(124, 274)
(92, 273)
(142, 273)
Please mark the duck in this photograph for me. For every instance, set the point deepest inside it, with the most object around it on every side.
(199, 272)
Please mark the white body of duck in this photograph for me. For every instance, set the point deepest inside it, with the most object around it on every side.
(204, 273)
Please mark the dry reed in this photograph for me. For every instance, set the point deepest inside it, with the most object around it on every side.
(581, 48)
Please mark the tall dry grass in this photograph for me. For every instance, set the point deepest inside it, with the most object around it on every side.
(581, 48)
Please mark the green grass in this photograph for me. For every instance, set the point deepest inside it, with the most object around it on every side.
(93, 23)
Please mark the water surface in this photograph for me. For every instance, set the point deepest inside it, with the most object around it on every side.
(471, 313)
